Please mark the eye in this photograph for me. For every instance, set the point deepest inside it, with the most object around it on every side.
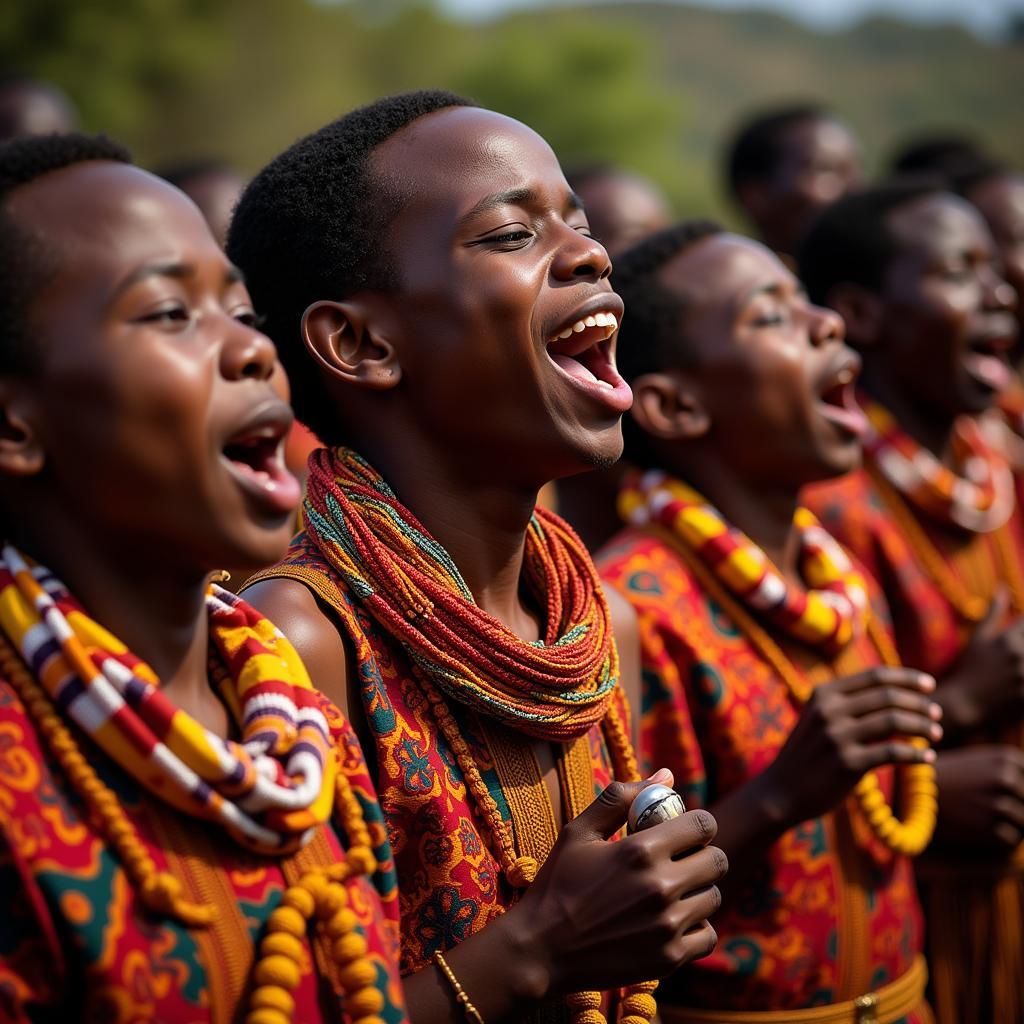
(250, 318)
(175, 313)
(770, 320)
(512, 239)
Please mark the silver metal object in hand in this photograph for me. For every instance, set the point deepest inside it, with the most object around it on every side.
(654, 805)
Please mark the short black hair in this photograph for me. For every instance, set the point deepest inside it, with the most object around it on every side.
(24, 261)
(756, 147)
(650, 338)
(309, 226)
(942, 154)
(850, 240)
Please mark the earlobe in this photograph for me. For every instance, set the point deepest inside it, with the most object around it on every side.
(340, 337)
(667, 407)
(861, 312)
(21, 450)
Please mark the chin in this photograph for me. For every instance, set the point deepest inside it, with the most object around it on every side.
(250, 551)
(839, 464)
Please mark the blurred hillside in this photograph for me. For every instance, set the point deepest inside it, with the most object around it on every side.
(654, 86)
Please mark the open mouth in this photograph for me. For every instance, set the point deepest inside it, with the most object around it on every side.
(838, 403)
(255, 457)
(988, 363)
(583, 352)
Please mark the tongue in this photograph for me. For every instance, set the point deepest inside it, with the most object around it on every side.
(574, 368)
(989, 369)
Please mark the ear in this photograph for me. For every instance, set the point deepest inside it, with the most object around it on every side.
(344, 340)
(667, 406)
(861, 311)
(21, 449)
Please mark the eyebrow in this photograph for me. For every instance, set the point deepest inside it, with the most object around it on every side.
(519, 196)
(773, 288)
(180, 271)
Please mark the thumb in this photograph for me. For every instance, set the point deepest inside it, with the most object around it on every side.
(608, 813)
(992, 625)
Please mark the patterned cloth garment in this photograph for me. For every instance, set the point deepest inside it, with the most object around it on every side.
(450, 879)
(832, 914)
(78, 937)
(939, 581)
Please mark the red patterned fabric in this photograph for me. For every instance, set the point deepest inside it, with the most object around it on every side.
(450, 881)
(831, 914)
(75, 942)
(975, 908)
(929, 632)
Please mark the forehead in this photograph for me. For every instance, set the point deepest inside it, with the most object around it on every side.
(101, 220)
(447, 161)
(818, 135)
(937, 223)
(723, 269)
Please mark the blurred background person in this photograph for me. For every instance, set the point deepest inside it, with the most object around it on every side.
(786, 164)
(29, 106)
(213, 185)
(622, 207)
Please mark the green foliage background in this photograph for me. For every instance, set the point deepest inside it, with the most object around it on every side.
(655, 87)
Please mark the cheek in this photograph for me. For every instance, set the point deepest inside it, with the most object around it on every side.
(146, 419)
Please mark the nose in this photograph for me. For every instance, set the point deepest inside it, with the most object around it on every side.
(999, 294)
(581, 256)
(825, 325)
(247, 354)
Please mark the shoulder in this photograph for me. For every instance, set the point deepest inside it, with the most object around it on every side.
(291, 606)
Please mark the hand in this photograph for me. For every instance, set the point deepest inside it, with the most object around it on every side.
(986, 686)
(981, 797)
(602, 915)
(848, 727)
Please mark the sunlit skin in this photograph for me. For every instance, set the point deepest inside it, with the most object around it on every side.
(935, 336)
(455, 390)
(1000, 198)
(116, 462)
(820, 162)
(749, 330)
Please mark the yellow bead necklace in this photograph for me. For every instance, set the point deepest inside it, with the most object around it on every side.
(909, 836)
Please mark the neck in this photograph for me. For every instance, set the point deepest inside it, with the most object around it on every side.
(930, 430)
(155, 609)
(763, 512)
(481, 523)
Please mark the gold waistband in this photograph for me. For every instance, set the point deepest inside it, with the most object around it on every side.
(888, 1004)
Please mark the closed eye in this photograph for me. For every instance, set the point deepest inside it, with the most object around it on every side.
(167, 314)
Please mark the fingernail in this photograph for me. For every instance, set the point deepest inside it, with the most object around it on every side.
(935, 711)
(926, 682)
(661, 775)
(936, 731)
(929, 756)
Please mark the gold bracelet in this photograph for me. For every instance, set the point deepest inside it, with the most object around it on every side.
(471, 1012)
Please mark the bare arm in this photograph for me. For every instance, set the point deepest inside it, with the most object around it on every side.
(848, 727)
(627, 640)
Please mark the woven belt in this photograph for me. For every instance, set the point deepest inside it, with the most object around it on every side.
(887, 1005)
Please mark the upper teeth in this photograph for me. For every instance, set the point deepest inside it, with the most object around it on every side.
(845, 376)
(597, 320)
